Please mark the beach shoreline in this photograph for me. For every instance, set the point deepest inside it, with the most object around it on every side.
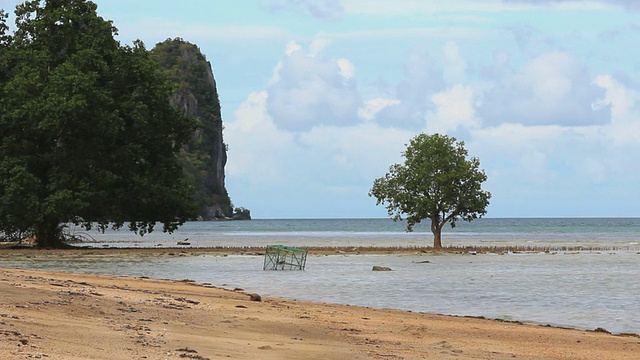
(59, 315)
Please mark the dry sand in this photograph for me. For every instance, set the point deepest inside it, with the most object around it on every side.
(54, 315)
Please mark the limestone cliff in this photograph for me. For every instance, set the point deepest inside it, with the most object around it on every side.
(205, 156)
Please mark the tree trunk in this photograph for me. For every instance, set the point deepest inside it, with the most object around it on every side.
(49, 235)
(437, 239)
(436, 229)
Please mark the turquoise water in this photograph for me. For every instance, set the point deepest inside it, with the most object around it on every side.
(580, 289)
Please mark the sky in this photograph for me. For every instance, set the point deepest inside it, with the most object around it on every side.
(319, 98)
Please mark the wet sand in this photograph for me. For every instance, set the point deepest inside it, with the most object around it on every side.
(8, 252)
(55, 315)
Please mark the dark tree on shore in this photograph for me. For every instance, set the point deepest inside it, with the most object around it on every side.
(436, 182)
(88, 132)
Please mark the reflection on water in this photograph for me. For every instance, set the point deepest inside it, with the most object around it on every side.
(585, 290)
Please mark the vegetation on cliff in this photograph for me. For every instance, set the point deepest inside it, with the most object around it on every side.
(205, 154)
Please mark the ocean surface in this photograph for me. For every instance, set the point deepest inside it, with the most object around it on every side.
(595, 283)
(552, 232)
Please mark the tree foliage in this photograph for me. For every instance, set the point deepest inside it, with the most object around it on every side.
(436, 181)
(89, 134)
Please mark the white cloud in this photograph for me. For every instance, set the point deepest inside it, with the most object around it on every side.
(555, 138)
(356, 154)
(292, 47)
(454, 109)
(531, 168)
(327, 167)
(347, 69)
(319, 44)
(546, 168)
(422, 79)
(625, 112)
(314, 169)
(258, 150)
(455, 65)
(552, 88)
(309, 90)
(374, 106)
(565, 170)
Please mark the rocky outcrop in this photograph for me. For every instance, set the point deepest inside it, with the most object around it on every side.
(205, 156)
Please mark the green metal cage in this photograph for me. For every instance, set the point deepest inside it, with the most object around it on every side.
(280, 257)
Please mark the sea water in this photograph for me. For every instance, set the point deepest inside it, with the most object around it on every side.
(553, 232)
(579, 289)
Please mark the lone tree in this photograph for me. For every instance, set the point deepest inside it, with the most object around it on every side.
(436, 182)
(88, 132)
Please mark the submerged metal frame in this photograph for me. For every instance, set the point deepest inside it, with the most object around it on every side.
(280, 257)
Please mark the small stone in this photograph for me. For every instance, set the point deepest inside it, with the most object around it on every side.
(381, 268)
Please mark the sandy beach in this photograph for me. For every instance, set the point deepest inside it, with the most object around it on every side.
(54, 315)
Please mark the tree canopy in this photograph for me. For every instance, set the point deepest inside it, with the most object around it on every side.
(89, 134)
(436, 181)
